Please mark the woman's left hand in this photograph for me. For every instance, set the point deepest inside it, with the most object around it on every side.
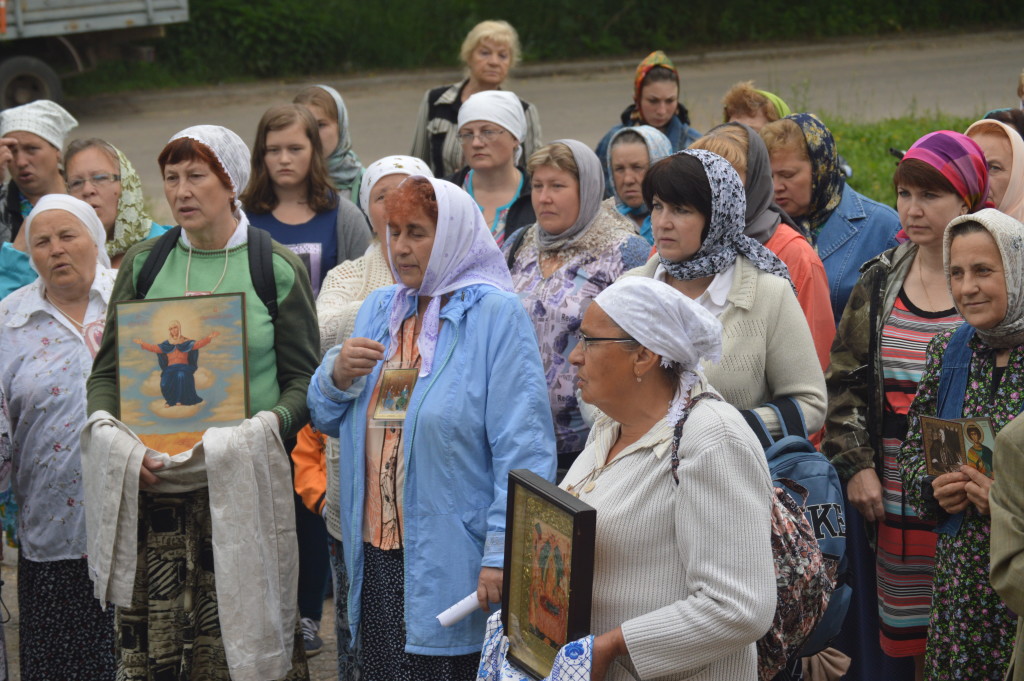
(977, 488)
(488, 589)
(607, 647)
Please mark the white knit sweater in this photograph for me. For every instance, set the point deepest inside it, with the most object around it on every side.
(344, 289)
(767, 348)
(685, 570)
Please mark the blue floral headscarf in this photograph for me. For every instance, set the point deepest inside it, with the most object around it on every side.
(827, 181)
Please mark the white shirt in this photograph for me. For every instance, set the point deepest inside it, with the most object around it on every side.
(43, 368)
(716, 297)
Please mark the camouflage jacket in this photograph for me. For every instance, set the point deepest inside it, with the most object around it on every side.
(853, 423)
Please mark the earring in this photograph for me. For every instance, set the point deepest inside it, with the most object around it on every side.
(638, 379)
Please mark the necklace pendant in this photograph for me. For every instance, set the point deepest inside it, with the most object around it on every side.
(589, 487)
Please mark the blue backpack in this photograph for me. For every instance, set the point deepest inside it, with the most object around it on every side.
(794, 457)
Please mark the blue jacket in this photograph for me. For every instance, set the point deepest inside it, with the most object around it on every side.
(481, 412)
(858, 230)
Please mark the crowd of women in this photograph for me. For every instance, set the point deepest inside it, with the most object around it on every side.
(607, 319)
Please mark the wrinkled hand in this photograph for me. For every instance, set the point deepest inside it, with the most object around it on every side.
(146, 477)
(864, 490)
(357, 358)
(607, 647)
(977, 488)
(950, 493)
(488, 588)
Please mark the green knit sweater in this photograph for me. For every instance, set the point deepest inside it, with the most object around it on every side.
(282, 355)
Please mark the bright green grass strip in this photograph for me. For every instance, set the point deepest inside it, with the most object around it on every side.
(866, 147)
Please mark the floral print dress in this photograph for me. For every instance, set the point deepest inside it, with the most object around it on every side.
(970, 630)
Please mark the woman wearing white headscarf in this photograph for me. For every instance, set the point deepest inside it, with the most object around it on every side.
(429, 512)
(631, 152)
(1004, 155)
(677, 477)
(559, 264)
(491, 130)
(331, 115)
(204, 168)
(50, 331)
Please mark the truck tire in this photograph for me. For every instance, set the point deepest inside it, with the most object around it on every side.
(26, 79)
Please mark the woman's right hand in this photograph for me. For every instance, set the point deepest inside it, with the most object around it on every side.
(357, 358)
(146, 476)
(864, 490)
(950, 493)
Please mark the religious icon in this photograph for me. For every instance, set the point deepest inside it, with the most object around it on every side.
(193, 375)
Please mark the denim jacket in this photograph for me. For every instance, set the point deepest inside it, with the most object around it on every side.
(858, 230)
(480, 413)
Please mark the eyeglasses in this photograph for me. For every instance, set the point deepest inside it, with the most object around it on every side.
(587, 341)
(96, 180)
(485, 135)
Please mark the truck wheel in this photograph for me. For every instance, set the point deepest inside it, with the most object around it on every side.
(26, 79)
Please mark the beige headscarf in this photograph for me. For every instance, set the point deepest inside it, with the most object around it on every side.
(1012, 202)
(1008, 234)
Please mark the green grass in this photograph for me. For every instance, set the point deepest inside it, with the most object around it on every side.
(866, 147)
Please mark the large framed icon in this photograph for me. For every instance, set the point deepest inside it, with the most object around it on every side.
(549, 571)
(182, 367)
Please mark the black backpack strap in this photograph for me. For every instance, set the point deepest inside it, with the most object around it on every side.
(163, 247)
(261, 268)
(791, 416)
(759, 427)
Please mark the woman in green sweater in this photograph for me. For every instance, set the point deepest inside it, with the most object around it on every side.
(204, 169)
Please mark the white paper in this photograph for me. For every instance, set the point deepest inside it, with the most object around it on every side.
(459, 611)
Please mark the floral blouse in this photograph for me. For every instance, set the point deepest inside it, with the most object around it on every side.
(43, 369)
(981, 642)
(556, 305)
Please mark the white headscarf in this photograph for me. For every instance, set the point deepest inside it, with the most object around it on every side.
(464, 253)
(42, 117)
(79, 209)
(500, 107)
(389, 165)
(668, 323)
(230, 150)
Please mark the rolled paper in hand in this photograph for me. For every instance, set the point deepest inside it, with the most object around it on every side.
(459, 611)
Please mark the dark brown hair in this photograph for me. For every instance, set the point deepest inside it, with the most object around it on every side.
(259, 196)
(916, 173)
(679, 180)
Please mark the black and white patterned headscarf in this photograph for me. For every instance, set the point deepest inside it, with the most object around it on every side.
(725, 239)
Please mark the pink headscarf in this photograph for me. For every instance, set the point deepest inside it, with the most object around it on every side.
(464, 253)
(960, 160)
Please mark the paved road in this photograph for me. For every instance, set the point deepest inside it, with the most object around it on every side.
(858, 80)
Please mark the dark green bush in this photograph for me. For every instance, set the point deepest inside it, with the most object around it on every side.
(232, 39)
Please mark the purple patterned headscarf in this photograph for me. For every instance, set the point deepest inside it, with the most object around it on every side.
(464, 253)
(960, 160)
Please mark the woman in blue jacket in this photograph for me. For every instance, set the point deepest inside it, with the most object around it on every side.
(846, 228)
(423, 489)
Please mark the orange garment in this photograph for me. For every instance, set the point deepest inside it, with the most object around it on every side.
(309, 459)
(383, 521)
(808, 276)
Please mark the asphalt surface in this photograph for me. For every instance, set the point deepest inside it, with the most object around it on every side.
(857, 80)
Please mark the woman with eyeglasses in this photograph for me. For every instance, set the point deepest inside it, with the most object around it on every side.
(99, 174)
(558, 264)
(676, 476)
(492, 128)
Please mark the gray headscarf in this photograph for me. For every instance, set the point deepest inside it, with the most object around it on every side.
(591, 193)
(1008, 234)
(763, 214)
